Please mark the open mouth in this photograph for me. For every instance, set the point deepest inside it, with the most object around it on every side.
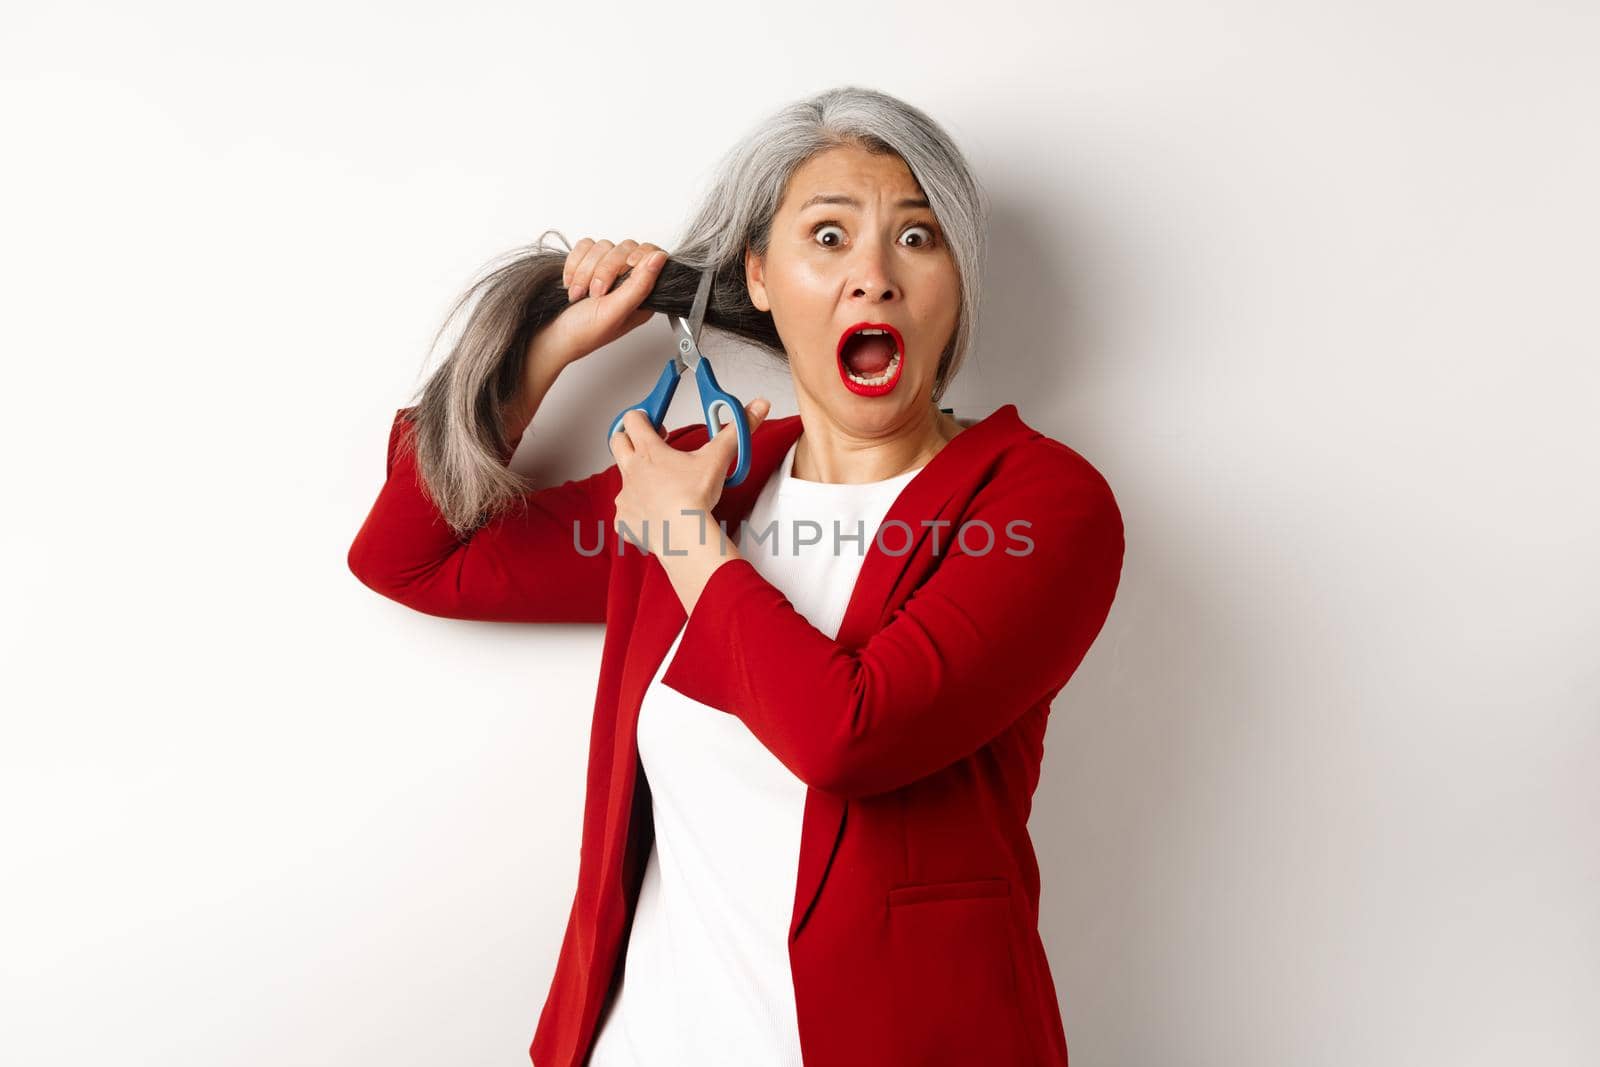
(871, 355)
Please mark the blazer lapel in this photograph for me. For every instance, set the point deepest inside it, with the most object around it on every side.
(878, 592)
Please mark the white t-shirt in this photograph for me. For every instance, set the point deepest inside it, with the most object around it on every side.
(707, 978)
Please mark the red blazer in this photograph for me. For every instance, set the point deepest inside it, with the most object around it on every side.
(918, 730)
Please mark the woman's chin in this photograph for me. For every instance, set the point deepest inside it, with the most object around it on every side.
(875, 414)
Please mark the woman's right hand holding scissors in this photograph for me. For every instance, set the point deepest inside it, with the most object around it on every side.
(596, 313)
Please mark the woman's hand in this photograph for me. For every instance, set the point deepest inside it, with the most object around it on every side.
(660, 483)
(587, 324)
(598, 314)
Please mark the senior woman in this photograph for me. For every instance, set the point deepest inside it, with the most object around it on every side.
(820, 717)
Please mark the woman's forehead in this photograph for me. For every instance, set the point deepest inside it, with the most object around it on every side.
(851, 177)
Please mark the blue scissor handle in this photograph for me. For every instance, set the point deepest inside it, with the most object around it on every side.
(713, 396)
(655, 405)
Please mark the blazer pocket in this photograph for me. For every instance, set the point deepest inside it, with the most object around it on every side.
(953, 979)
(975, 887)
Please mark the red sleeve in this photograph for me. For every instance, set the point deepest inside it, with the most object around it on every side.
(535, 562)
(984, 638)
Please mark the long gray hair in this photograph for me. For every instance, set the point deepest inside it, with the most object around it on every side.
(458, 434)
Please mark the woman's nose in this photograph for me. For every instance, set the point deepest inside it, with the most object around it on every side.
(871, 277)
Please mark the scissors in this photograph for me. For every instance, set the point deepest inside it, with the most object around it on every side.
(712, 395)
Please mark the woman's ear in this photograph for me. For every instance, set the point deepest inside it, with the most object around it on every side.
(755, 268)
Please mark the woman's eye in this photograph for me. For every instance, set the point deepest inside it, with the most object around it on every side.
(819, 232)
(821, 228)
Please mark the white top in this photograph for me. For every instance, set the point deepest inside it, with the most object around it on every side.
(707, 978)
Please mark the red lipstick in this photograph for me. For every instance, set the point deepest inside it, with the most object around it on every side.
(898, 364)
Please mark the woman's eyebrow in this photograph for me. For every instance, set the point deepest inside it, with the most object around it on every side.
(850, 201)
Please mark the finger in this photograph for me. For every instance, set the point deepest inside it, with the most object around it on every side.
(756, 411)
(585, 272)
(621, 445)
(644, 249)
(575, 256)
(643, 277)
(647, 433)
(609, 267)
(724, 444)
(569, 269)
(641, 432)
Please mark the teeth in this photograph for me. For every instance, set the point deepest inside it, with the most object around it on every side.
(888, 372)
(872, 333)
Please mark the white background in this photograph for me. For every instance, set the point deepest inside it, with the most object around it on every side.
(1313, 285)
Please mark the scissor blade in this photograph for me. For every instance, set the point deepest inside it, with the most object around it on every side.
(702, 297)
